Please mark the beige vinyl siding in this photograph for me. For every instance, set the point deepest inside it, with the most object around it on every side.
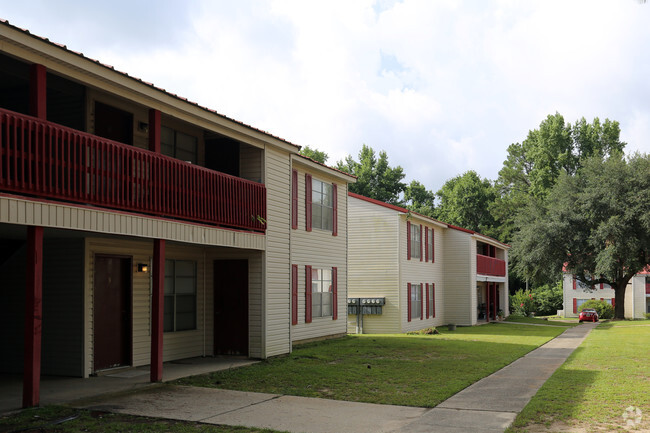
(638, 288)
(373, 263)
(277, 295)
(176, 345)
(415, 271)
(62, 337)
(23, 211)
(250, 162)
(320, 249)
(460, 282)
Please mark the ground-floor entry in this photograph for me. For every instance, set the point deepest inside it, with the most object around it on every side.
(112, 312)
(231, 307)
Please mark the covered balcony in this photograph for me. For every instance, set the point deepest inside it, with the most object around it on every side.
(486, 265)
(43, 159)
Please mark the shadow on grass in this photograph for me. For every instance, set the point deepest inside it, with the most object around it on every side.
(561, 398)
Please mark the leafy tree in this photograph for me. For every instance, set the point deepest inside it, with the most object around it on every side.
(419, 199)
(597, 222)
(375, 178)
(464, 201)
(314, 154)
(534, 165)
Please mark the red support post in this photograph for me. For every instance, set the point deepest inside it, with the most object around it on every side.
(33, 317)
(38, 91)
(496, 300)
(157, 309)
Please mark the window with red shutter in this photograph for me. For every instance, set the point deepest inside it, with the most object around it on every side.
(408, 242)
(426, 248)
(433, 246)
(335, 212)
(575, 305)
(420, 251)
(294, 199)
(408, 300)
(427, 290)
(307, 294)
(335, 307)
(294, 294)
(433, 300)
(308, 192)
(421, 305)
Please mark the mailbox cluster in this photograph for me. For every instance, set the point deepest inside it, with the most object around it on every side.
(365, 305)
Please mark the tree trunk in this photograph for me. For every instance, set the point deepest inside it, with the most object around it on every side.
(619, 293)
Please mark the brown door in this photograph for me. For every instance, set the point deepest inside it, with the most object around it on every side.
(112, 312)
(113, 123)
(231, 307)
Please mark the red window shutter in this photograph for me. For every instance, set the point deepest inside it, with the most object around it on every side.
(433, 247)
(335, 309)
(602, 299)
(427, 288)
(433, 293)
(602, 286)
(614, 302)
(294, 294)
(575, 305)
(408, 301)
(574, 284)
(308, 203)
(421, 309)
(294, 199)
(307, 294)
(426, 248)
(335, 211)
(408, 241)
(420, 250)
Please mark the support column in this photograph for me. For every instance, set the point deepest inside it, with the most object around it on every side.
(157, 309)
(487, 304)
(38, 91)
(33, 317)
(154, 130)
(496, 300)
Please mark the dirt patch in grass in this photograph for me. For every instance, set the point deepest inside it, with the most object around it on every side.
(563, 427)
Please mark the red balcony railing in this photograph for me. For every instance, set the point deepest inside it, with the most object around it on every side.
(490, 266)
(44, 159)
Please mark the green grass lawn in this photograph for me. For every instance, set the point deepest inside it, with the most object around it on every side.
(413, 370)
(608, 373)
(541, 321)
(58, 419)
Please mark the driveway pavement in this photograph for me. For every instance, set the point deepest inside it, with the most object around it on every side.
(488, 406)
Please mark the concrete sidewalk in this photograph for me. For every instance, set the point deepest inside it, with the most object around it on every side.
(489, 405)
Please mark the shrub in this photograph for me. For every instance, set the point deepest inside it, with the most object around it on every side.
(548, 299)
(522, 303)
(647, 316)
(604, 310)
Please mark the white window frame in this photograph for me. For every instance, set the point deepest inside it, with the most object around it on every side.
(321, 292)
(322, 205)
(416, 301)
(416, 241)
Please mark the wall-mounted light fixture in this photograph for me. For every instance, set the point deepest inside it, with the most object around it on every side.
(143, 267)
(143, 126)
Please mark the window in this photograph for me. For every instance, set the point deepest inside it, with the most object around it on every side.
(579, 302)
(321, 292)
(178, 145)
(322, 202)
(180, 295)
(432, 300)
(416, 301)
(429, 254)
(416, 241)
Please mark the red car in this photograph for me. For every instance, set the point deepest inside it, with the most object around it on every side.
(588, 314)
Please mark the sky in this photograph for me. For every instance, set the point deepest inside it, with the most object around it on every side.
(442, 87)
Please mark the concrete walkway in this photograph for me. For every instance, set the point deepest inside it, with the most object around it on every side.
(489, 405)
